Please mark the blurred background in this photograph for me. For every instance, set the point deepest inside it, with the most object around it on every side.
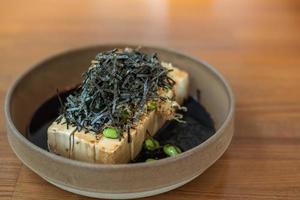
(227, 33)
(254, 43)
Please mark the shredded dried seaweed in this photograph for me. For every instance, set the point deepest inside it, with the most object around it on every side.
(115, 90)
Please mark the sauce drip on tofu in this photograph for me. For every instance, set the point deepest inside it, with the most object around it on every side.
(198, 127)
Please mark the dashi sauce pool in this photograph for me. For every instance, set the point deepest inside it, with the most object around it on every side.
(198, 127)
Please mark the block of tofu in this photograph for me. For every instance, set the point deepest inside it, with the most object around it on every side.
(89, 147)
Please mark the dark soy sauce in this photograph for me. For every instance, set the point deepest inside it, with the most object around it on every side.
(198, 127)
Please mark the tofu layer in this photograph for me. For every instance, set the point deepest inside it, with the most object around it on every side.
(78, 145)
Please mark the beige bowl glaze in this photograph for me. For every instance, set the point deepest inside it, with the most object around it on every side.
(122, 180)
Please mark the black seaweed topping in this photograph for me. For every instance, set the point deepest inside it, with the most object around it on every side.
(115, 89)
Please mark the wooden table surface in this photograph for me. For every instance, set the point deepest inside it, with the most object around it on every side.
(255, 44)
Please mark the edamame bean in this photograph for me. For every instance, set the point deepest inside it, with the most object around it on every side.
(151, 144)
(171, 150)
(112, 133)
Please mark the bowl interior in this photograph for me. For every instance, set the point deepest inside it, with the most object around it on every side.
(65, 70)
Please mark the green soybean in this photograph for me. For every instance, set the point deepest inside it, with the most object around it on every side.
(171, 150)
(112, 133)
(151, 144)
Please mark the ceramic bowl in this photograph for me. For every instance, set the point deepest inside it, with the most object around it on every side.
(122, 180)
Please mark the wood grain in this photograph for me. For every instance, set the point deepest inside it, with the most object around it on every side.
(255, 44)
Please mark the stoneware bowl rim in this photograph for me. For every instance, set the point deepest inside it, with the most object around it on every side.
(116, 166)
